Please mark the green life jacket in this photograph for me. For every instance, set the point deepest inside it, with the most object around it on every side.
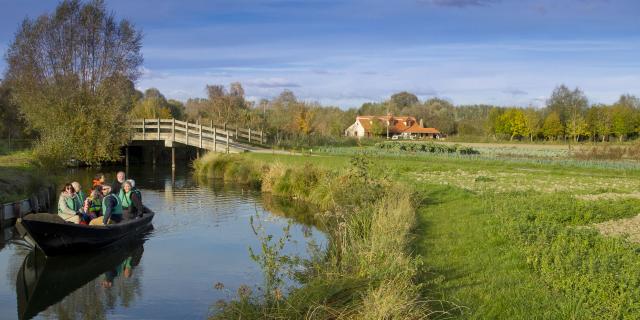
(125, 197)
(71, 202)
(96, 205)
(81, 197)
(118, 208)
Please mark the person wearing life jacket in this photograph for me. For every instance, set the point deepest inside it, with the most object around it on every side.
(68, 204)
(95, 207)
(131, 200)
(81, 195)
(98, 180)
(117, 185)
(111, 208)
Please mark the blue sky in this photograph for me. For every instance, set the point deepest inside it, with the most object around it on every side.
(344, 53)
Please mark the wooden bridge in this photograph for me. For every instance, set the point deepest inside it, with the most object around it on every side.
(212, 137)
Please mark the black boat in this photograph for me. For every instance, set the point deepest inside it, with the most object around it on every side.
(55, 237)
(44, 281)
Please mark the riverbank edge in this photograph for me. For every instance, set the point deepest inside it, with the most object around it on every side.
(367, 271)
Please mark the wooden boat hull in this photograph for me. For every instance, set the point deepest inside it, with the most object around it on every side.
(57, 238)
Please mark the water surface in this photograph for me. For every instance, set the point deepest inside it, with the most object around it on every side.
(201, 237)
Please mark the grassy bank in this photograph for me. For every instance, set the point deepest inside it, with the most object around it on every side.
(512, 239)
(366, 272)
(18, 177)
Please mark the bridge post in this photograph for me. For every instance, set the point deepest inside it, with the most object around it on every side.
(236, 136)
(227, 132)
(158, 128)
(187, 134)
(215, 138)
(200, 133)
(144, 135)
(173, 158)
(173, 129)
(153, 156)
(249, 134)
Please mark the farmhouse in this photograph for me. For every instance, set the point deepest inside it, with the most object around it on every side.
(389, 125)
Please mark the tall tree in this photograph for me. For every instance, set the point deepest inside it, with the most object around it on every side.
(402, 100)
(570, 105)
(72, 73)
(552, 127)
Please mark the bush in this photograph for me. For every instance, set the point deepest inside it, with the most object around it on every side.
(429, 147)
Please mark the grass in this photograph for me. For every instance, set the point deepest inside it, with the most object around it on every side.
(18, 177)
(507, 238)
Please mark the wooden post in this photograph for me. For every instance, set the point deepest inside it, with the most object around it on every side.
(144, 135)
(236, 137)
(173, 129)
(200, 133)
(173, 158)
(227, 132)
(261, 137)
(215, 139)
(187, 135)
(197, 153)
(249, 135)
(158, 128)
(153, 156)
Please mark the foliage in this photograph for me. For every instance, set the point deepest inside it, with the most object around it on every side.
(72, 75)
(430, 147)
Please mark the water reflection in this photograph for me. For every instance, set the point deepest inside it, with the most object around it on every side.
(201, 237)
(86, 285)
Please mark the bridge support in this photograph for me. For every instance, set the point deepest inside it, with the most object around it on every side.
(153, 156)
(173, 158)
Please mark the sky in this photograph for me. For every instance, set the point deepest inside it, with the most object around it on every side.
(345, 53)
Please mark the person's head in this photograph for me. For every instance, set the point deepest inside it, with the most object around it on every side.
(106, 189)
(76, 186)
(68, 188)
(120, 176)
(126, 186)
(86, 204)
(99, 177)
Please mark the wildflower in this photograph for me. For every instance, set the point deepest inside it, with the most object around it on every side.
(244, 291)
(221, 303)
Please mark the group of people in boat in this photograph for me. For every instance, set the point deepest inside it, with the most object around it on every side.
(105, 204)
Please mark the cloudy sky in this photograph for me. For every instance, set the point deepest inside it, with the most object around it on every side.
(345, 53)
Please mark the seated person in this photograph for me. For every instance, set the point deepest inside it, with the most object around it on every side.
(96, 201)
(111, 208)
(131, 200)
(68, 204)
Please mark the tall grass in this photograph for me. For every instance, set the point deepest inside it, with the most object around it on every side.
(366, 272)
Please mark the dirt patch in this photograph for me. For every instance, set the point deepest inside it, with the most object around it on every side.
(629, 228)
(608, 196)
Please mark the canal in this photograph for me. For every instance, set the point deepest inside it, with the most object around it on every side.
(196, 255)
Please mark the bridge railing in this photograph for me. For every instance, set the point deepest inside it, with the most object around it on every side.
(195, 134)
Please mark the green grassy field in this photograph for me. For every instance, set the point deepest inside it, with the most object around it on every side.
(18, 177)
(512, 239)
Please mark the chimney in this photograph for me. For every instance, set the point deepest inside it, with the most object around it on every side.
(421, 124)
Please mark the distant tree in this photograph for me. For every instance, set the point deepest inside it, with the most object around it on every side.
(72, 74)
(513, 123)
(622, 120)
(599, 122)
(570, 105)
(402, 100)
(440, 114)
(532, 122)
(153, 105)
(492, 124)
(227, 107)
(552, 127)
(177, 109)
(378, 128)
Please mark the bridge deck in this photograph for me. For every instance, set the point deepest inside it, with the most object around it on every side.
(201, 136)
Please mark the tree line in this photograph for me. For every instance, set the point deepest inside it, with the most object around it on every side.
(70, 84)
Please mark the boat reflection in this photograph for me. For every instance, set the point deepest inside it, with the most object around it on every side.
(81, 285)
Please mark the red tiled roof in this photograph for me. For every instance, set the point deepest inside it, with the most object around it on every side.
(397, 124)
